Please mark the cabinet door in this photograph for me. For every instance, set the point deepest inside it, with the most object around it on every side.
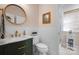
(1, 50)
(29, 49)
(10, 49)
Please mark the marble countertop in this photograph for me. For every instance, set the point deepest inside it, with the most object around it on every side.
(14, 39)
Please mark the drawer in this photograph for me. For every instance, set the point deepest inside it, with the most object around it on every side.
(15, 49)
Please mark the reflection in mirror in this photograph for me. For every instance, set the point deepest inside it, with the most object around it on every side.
(15, 14)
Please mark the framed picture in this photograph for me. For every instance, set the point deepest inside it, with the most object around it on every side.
(47, 18)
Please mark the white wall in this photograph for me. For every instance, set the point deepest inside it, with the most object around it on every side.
(50, 32)
(30, 25)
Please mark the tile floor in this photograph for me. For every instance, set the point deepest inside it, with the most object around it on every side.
(66, 51)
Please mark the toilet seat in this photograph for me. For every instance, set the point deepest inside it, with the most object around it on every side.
(41, 45)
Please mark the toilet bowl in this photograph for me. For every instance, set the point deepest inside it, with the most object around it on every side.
(42, 48)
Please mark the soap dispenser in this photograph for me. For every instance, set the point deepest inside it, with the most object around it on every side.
(24, 33)
(16, 33)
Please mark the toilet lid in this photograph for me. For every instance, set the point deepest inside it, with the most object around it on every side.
(41, 45)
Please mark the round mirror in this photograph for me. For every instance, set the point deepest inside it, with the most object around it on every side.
(14, 14)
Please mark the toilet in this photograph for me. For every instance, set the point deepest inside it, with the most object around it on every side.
(42, 48)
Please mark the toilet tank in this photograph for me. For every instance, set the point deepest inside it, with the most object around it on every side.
(36, 39)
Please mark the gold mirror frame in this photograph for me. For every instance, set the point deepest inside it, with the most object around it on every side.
(18, 7)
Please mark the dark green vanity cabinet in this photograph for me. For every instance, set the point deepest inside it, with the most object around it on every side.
(17, 48)
(1, 50)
